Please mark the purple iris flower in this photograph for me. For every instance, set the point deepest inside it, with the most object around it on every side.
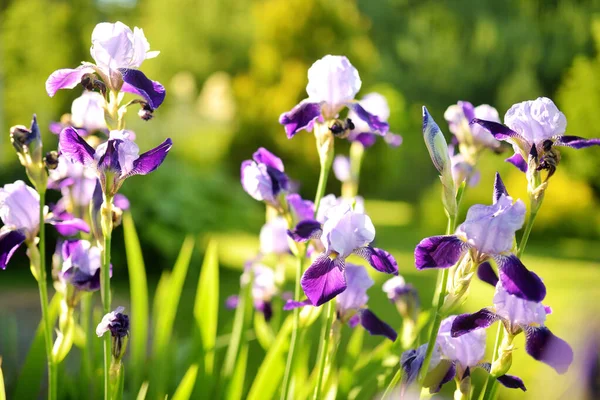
(343, 233)
(488, 232)
(459, 117)
(463, 169)
(301, 209)
(115, 160)
(75, 181)
(263, 177)
(375, 104)
(330, 201)
(534, 128)
(81, 264)
(118, 52)
(273, 237)
(351, 303)
(20, 213)
(87, 115)
(332, 85)
(519, 315)
(263, 289)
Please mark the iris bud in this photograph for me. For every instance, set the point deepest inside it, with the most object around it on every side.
(28, 144)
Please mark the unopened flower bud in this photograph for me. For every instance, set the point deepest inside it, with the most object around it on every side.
(28, 144)
(117, 324)
(51, 160)
(504, 361)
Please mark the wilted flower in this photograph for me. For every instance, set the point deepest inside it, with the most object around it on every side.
(343, 233)
(351, 303)
(535, 128)
(263, 177)
(273, 237)
(375, 104)
(117, 324)
(488, 232)
(332, 85)
(115, 160)
(118, 52)
(87, 115)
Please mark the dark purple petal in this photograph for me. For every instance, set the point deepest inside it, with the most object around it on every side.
(82, 280)
(466, 323)
(291, 304)
(439, 252)
(379, 259)
(393, 139)
(324, 280)
(301, 117)
(499, 188)
(411, 362)
(121, 202)
(448, 376)
(375, 326)
(109, 161)
(512, 382)
(67, 225)
(74, 147)
(544, 346)
(265, 307)
(137, 83)
(576, 142)
(232, 301)
(468, 110)
(367, 139)
(518, 280)
(500, 132)
(518, 161)
(279, 180)
(264, 156)
(486, 273)
(306, 230)
(152, 159)
(376, 125)
(9, 243)
(65, 79)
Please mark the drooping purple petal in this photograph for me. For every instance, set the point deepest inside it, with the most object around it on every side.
(512, 382)
(367, 139)
(264, 156)
(152, 159)
(466, 323)
(301, 117)
(518, 161)
(518, 280)
(411, 362)
(448, 376)
(468, 110)
(375, 326)
(544, 346)
(65, 79)
(376, 125)
(9, 243)
(379, 259)
(302, 209)
(393, 139)
(439, 252)
(279, 180)
(500, 132)
(354, 321)
(67, 225)
(486, 273)
(575, 142)
(74, 147)
(291, 304)
(499, 188)
(137, 83)
(324, 280)
(306, 230)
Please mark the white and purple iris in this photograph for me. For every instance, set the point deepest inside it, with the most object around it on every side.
(344, 232)
(374, 104)
(459, 117)
(81, 264)
(273, 237)
(332, 86)
(518, 315)
(488, 232)
(114, 160)
(87, 115)
(263, 177)
(263, 289)
(351, 303)
(118, 52)
(75, 181)
(533, 128)
(20, 213)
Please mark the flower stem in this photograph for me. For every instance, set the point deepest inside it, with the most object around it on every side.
(324, 341)
(105, 286)
(42, 284)
(393, 383)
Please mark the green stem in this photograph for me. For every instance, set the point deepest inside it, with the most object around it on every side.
(42, 284)
(324, 341)
(105, 286)
(491, 381)
(88, 348)
(393, 383)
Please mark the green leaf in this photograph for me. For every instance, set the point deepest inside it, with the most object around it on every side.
(186, 386)
(34, 368)
(2, 389)
(206, 306)
(264, 332)
(166, 303)
(143, 391)
(235, 390)
(138, 288)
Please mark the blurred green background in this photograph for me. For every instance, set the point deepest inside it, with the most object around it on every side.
(231, 67)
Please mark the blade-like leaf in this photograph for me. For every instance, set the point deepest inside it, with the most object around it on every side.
(2, 390)
(235, 390)
(206, 306)
(143, 391)
(138, 287)
(186, 386)
(264, 332)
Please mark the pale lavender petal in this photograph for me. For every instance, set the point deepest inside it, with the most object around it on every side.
(74, 147)
(301, 117)
(152, 159)
(379, 259)
(306, 230)
(575, 142)
(375, 123)
(466, 323)
(518, 280)
(511, 382)
(439, 252)
(302, 209)
(67, 225)
(324, 280)
(468, 110)
(9, 243)
(291, 304)
(137, 83)
(518, 161)
(499, 189)
(486, 273)
(375, 326)
(544, 346)
(394, 140)
(65, 79)
(500, 132)
(355, 296)
(121, 202)
(264, 156)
